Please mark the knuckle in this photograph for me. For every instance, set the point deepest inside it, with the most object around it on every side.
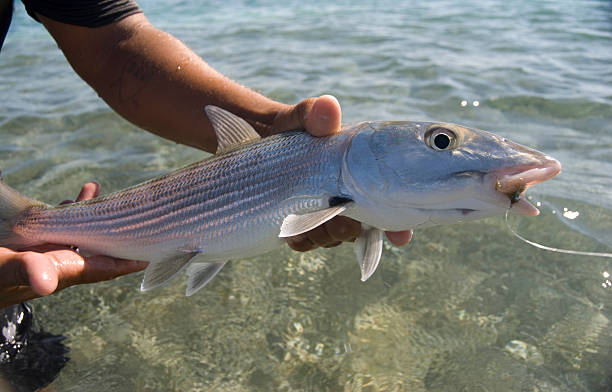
(300, 243)
(319, 236)
(303, 108)
(26, 254)
(333, 244)
(343, 229)
(25, 260)
(27, 257)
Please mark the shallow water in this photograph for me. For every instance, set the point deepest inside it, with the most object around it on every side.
(462, 308)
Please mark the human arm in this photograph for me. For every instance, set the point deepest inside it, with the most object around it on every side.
(156, 82)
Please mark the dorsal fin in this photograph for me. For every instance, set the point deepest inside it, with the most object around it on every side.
(232, 131)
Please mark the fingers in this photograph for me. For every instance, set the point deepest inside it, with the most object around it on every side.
(324, 117)
(331, 233)
(300, 243)
(399, 238)
(101, 268)
(27, 275)
(320, 116)
(73, 269)
(338, 230)
(28, 269)
(15, 294)
(45, 269)
(42, 276)
(89, 191)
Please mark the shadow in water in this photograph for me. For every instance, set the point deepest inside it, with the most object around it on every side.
(30, 359)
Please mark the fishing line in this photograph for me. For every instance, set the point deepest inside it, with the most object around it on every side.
(557, 250)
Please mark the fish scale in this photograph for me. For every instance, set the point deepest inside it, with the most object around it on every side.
(254, 192)
(207, 200)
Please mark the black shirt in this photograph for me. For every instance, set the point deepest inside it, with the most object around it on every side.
(87, 13)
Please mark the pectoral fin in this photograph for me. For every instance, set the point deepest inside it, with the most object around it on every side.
(199, 274)
(368, 248)
(298, 224)
(158, 274)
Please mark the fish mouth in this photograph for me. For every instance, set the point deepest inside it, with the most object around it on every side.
(514, 181)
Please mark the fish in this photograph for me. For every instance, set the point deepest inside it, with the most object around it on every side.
(255, 192)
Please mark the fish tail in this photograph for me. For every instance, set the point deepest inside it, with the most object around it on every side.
(12, 206)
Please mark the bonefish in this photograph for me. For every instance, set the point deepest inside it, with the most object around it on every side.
(254, 192)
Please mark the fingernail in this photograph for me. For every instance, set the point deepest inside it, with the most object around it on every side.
(330, 96)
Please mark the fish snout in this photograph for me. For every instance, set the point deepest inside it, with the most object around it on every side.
(514, 181)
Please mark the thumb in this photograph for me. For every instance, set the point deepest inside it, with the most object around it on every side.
(29, 269)
(320, 116)
(399, 238)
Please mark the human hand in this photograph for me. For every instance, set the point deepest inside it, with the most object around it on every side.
(322, 117)
(43, 270)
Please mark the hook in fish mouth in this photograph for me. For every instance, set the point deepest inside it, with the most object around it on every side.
(514, 196)
(513, 182)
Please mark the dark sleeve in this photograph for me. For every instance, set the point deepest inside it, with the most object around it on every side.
(6, 13)
(88, 13)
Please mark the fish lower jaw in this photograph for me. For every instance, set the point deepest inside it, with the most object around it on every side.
(412, 217)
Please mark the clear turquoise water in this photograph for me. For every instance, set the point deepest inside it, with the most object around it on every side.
(462, 308)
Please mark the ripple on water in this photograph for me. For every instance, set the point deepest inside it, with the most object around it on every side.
(439, 313)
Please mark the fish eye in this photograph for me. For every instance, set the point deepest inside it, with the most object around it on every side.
(441, 139)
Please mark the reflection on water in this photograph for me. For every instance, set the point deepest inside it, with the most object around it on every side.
(462, 308)
(445, 311)
(567, 214)
(606, 283)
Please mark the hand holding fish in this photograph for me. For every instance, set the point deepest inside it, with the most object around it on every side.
(254, 193)
(154, 70)
(322, 117)
(45, 269)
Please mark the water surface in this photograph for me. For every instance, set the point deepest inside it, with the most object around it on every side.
(462, 308)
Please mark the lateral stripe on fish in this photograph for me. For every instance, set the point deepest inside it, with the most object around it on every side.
(388, 175)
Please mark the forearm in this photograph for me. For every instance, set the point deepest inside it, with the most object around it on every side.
(156, 82)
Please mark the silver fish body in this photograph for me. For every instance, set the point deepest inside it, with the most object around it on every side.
(228, 206)
(242, 201)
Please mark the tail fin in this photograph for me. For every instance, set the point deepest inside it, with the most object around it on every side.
(12, 205)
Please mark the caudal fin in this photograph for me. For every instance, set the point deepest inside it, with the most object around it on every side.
(12, 205)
